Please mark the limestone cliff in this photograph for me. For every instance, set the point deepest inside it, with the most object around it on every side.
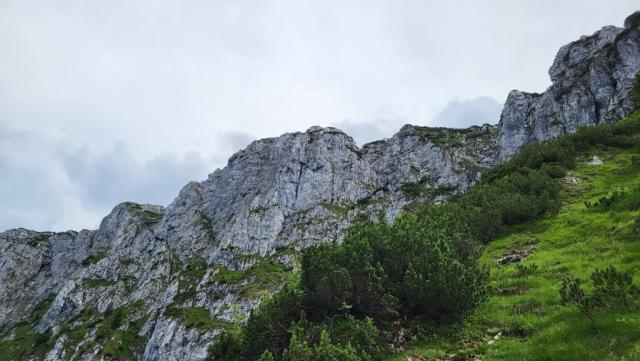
(591, 79)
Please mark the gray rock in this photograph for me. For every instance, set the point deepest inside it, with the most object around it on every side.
(591, 79)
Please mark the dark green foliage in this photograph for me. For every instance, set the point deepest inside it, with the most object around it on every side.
(266, 329)
(324, 350)
(552, 153)
(39, 239)
(526, 270)
(635, 93)
(430, 260)
(513, 198)
(623, 134)
(339, 339)
(635, 229)
(554, 170)
(266, 356)
(413, 189)
(327, 284)
(621, 199)
(94, 258)
(612, 290)
(424, 264)
(345, 279)
(98, 282)
(188, 278)
(229, 346)
(26, 341)
(194, 317)
(571, 292)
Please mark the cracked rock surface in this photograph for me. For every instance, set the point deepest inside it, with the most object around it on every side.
(591, 79)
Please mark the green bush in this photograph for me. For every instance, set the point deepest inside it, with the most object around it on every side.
(612, 290)
(623, 134)
(325, 350)
(557, 153)
(432, 266)
(266, 356)
(618, 200)
(339, 339)
(346, 279)
(267, 329)
(635, 93)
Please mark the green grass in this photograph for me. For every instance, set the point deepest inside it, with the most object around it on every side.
(337, 210)
(98, 282)
(26, 341)
(94, 258)
(147, 218)
(189, 276)
(265, 274)
(195, 317)
(524, 305)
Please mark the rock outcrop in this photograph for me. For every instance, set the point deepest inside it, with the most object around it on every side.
(169, 280)
(591, 79)
(224, 243)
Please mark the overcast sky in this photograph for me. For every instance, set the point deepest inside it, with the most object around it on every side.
(107, 101)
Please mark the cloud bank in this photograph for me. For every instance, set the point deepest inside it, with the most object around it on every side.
(55, 183)
(105, 101)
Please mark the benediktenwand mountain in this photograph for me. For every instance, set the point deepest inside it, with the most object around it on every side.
(226, 243)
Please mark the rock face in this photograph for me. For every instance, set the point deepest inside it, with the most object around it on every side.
(591, 79)
(224, 243)
(166, 282)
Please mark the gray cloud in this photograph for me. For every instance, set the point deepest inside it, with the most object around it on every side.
(463, 113)
(122, 87)
(55, 183)
(383, 124)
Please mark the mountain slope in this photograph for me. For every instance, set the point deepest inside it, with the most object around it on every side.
(523, 318)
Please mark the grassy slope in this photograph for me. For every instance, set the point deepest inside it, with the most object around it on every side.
(525, 308)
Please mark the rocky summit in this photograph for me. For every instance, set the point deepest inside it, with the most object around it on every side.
(591, 79)
(226, 243)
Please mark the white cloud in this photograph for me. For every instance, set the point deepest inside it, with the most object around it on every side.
(463, 113)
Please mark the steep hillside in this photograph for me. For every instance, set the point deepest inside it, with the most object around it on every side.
(156, 283)
(523, 318)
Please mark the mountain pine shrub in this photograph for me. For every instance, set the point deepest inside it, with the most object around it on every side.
(612, 290)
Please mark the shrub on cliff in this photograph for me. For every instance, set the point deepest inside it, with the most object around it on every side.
(635, 93)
